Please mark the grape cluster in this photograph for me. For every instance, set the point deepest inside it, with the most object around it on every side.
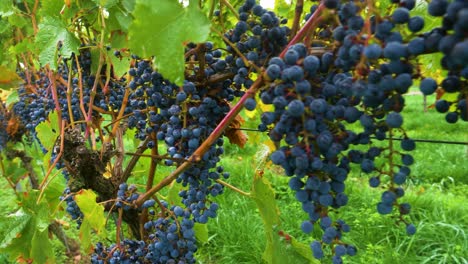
(315, 97)
(72, 207)
(451, 40)
(307, 116)
(126, 195)
(171, 239)
(258, 35)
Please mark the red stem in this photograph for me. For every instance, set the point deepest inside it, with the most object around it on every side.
(304, 29)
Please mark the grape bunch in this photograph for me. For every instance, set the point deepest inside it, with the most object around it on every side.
(315, 98)
(171, 239)
(451, 40)
(72, 207)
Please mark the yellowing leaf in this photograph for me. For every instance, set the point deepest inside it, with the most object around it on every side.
(265, 107)
(94, 218)
(48, 131)
(251, 114)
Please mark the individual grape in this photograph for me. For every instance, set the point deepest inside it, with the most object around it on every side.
(383, 208)
(373, 51)
(394, 50)
(296, 108)
(295, 184)
(148, 203)
(291, 57)
(399, 178)
(367, 165)
(442, 106)
(437, 7)
(451, 84)
(410, 229)
(351, 250)
(408, 144)
(416, 24)
(278, 157)
(250, 104)
(311, 64)
(337, 260)
(400, 15)
(394, 120)
(416, 46)
(407, 159)
(273, 71)
(451, 117)
(428, 86)
(307, 227)
(317, 249)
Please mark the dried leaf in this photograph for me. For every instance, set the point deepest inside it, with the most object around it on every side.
(235, 135)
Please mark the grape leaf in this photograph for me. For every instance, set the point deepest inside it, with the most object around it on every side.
(303, 250)
(163, 28)
(235, 135)
(41, 247)
(12, 98)
(92, 211)
(119, 65)
(264, 197)
(16, 224)
(51, 32)
(201, 232)
(6, 8)
(8, 78)
(106, 3)
(47, 131)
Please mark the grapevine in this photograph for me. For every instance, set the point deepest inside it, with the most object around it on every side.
(344, 65)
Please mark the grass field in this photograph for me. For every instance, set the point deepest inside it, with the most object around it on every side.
(437, 192)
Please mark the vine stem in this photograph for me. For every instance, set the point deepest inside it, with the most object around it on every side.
(89, 129)
(233, 10)
(234, 188)
(297, 16)
(307, 26)
(59, 156)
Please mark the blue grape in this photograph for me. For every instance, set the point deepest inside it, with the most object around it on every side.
(428, 86)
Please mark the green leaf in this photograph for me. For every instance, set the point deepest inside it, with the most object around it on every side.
(6, 8)
(51, 8)
(12, 98)
(93, 212)
(165, 35)
(16, 224)
(47, 132)
(275, 251)
(119, 19)
(14, 170)
(8, 78)
(264, 197)
(119, 65)
(201, 232)
(51, 32)
(303, 250)
(106, 3)
(41, 247)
